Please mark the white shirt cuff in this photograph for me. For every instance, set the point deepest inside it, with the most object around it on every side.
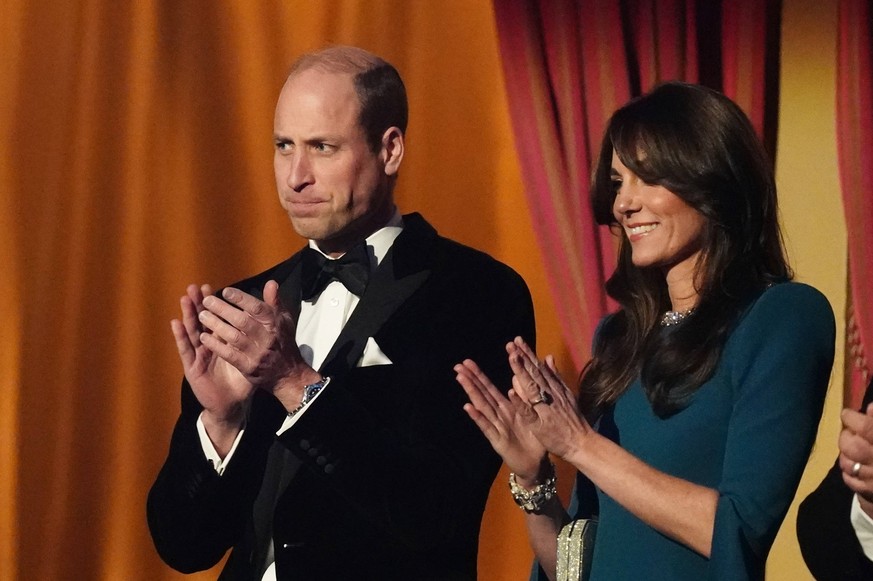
(217, 461)
(863, 525)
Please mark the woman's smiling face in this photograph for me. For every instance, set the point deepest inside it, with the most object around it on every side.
(663, 230)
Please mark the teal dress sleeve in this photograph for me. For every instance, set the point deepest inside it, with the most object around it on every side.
(779, 361)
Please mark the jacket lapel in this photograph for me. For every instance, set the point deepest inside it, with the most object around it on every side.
(403, 270)
(289, 290)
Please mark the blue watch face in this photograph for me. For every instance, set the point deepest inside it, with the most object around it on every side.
(312, 389)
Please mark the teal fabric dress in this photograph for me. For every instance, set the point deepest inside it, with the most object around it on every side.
(747, 433)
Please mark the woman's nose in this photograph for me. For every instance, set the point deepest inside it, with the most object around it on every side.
(626, 201)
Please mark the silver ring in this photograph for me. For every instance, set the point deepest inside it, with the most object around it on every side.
(856, 469)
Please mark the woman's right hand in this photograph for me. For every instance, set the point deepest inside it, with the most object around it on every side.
(497, 418)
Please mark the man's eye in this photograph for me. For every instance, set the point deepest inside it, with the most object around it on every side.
(282, 146)
(322, 147)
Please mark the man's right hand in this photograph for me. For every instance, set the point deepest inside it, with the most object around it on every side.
(856, 446)
(219, 387)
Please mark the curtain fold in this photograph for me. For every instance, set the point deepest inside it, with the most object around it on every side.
(554, 96)
(10, 290)
(855, 148)
(568, 64)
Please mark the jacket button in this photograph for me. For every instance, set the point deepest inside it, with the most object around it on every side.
(313, 452)
(321, 460)
(329, 468)
(304, 444)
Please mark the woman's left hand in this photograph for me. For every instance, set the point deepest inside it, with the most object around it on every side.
(544, 403)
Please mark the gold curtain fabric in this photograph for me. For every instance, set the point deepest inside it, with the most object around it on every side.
(135, 158)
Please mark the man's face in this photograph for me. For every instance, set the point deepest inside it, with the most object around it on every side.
(335, 188)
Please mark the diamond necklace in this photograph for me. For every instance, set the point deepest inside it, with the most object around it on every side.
(671, 318)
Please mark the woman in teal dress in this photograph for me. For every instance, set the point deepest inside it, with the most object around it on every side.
(696, 414)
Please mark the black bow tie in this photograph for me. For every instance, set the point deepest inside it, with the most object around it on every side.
(352, 269)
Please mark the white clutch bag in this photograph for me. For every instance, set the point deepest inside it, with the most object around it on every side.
(575, 549)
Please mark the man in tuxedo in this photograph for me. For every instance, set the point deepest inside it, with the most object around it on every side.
(835, 522)
(322, 433)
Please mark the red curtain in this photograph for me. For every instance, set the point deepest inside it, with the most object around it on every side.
(568, 64)
(855, 147)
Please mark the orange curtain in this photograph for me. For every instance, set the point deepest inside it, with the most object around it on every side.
(855, 147)
(568, 65)
(10, 328)
(135, 157)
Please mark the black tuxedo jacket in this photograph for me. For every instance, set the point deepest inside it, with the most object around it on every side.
(384, 476)
(827, 539)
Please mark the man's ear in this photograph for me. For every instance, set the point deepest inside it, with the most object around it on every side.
(392, 150)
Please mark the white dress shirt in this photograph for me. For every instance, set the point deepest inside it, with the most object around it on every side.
(863, 526)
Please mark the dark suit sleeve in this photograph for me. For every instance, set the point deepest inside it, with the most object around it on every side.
(194, 514)
(827, 538)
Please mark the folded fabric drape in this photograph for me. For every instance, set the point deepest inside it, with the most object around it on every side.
(855, 150)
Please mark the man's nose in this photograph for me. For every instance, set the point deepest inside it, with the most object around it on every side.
(299, 172)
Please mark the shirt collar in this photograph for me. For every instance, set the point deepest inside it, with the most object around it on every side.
(380, 241)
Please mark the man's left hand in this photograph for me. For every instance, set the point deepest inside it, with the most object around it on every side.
(258, 338)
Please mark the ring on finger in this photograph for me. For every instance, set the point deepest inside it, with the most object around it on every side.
(856, 469)
(543, 397)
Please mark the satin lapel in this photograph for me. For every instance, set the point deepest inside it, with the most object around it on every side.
(281, 464)
(289, 289)
(402, 271)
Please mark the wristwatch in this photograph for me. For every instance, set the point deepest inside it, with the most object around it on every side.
(311, 390)
(309, 393)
